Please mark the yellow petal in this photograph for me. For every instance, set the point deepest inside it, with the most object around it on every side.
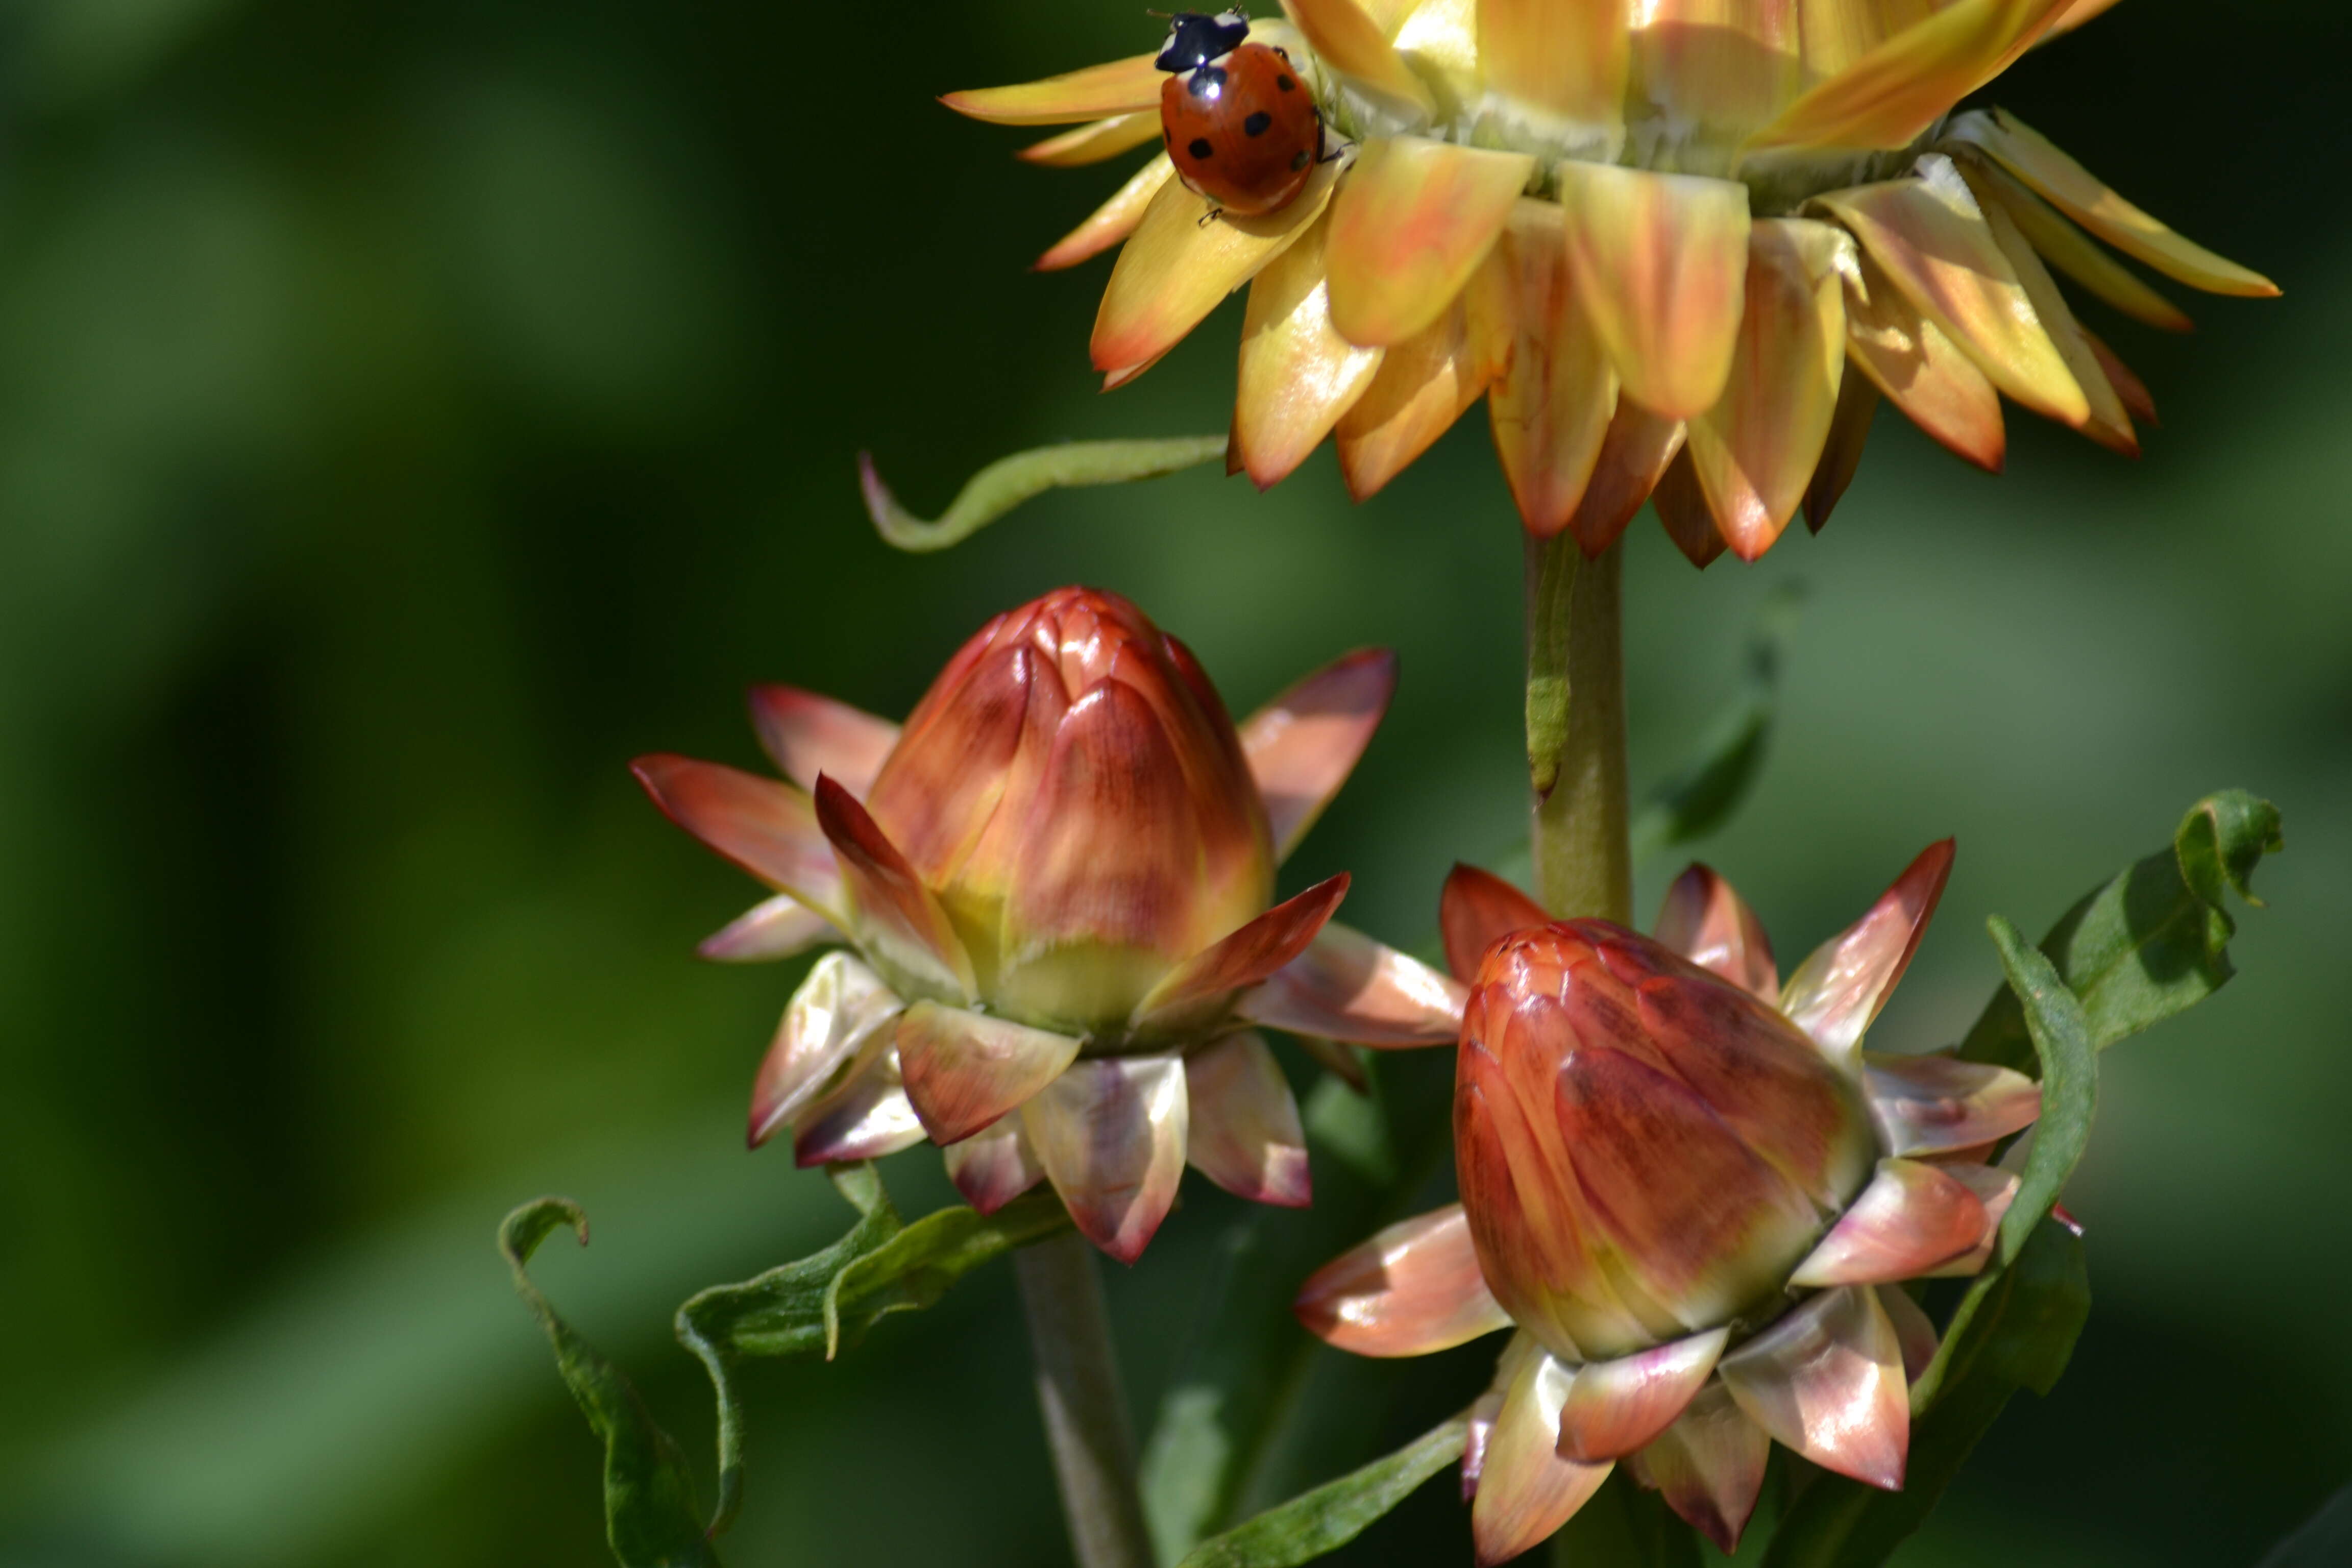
(2069, 250)
(1298, 374)
(1424, 385)
(1911, 360)
(1180, 262)
(1755, 451)
(1634, 453)
(1412, 222)
(1726, 66)
(1117, 86)
(1857, 405)
(1567, 56)
(1837, 33)
(1443, 34)
(1656, 261)
(1890, 95)
(2079, 194)
(1350, 42)
(2075, 15)
(1094, 142)
(1931, 239)
(1111, 222)
(1552, 406)
(2127, 385)
(1682, 509)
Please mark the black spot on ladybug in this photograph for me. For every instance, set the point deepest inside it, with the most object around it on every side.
(1299, 160)
(1284, 82)
(1208, 81)
(1256, 125)
(1200, 147)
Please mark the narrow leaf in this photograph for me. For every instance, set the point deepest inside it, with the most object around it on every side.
(2070, 1084)
(1007, 482)
(1333, 1514)
(1702, 796)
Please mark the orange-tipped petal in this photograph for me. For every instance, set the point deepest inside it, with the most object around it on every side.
(1348, 40)
(2127, 385)
(868, 1117)
(963, 1070)
(1477, 910)
(1094, 142)
(1857, 406)
(1827, 1381)
(1934, 1105)
(1346, 987)
(994, 1165)
(899, 922)
(2071, 252)
(768, 828)
(1616, 1406)
(1898, 90)
(1413, 1289)
(2078, 193)
(1635, 452)
(2075, 15)
(1658, 262)
(1302, 745)
(1552, 407)
(1683, 511)
(1111, 222)
(1994, 1188)
(1424, 385)
(1244, 1131)
(1931, 239)
(1526, 1490)
(1298, 376)
(1111, 1134)
(1705, 920)
(1567, 56)
(1755, 451)
(1915, 1333)
(1182, 262)
(809, 734)
(1842, 983)
(1127, 86)
(1243, 958)
(1709, 1467)
(839, 1008)
(774, 928)
(1414, 221)
(1912, 361)
(1911, 1218)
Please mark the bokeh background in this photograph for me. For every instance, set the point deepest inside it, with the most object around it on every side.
(408, 412)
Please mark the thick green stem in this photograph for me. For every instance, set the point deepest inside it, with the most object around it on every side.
(1576, 730)
(1078, 1390)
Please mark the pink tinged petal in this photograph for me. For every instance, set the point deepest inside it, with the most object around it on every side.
(1657, 261)
(1755, 451)
(1482, 1411)
(809, 734)
(1898, 90)
(1526, 1490)
(1180, 263)
(1680, 503)
(1424, 385)
(1705, 920)
(899, 922)
(1912, 361)
(1111, 1134)
(1298, 374)
(1094, 142)
(776, 928)
(1551, 409)
(1303, 746)
(1567, 56)
(1348, 40)
(1996, 1189)
(839, 1008)
(1111, 222)
(1930, 237)
(1913, 1330)
(1616, 1406)
(1635, 452)
(1411, 1290)
(768, 828)
(1934, 1105)
(1827, 1381)
(1709, 1467)
(994, 1165)
(1243, 1122)
(1857, 406)
(1128, 86)
(1839, 989)
(1243, 957)
(2078, 193)
(2071, 252)
(1910, 1220)
(1477, 910)
(963, 1069)
(868, 1117)
(1346, 987)
(1412, 222)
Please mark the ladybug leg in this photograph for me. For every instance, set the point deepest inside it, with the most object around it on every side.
(1211, 215)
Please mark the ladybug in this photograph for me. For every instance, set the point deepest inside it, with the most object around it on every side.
(1240, 126)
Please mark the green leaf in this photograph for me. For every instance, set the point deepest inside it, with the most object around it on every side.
(2324, 1541)
(1335, 1514)
(1007, 482)
(2060, 1033)
(651, 1516)
(2154, 940)
(1702, 796)
(2017, 1330)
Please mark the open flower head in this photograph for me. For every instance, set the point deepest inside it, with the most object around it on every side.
(1695, 1198)
(1056, 879)
(1682, 248)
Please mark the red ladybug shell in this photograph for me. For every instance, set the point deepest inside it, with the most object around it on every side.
(1242, 130)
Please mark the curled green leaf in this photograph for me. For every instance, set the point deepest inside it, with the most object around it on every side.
(1007, 482)
(2222, 839)
(1335, 1514)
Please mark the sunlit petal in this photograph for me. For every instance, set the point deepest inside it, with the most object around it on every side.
(1302, 745)
(1552, 406)
(1111, 1134)
(772, 929)
(1244, 1131)
(808, 733)
(1413, 1288)
(1111, 222)
(994, 1165)
(1424, 385)
(1566, 57)
(1913, 362)
(1298, 376)
(1616, 1406)
(1092, 143)
(768, 828)
(1243, 958)
(1910, 1219)
(1842, 983)
(1476, 910)
(1526, 1490)
(2072, 251)
(1128, 86)
(1346, 987)
(1658, 262)
(964, 1069)
(1348, 40)
(868, 1117)
(1705, 920)
(1827, 1381)
(1936, 1105)
(1413, 220)
(1886, 98)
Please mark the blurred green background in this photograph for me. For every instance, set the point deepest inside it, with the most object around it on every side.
(408, 412)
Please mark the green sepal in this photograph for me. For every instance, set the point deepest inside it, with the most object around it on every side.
(652, 1518)
(1335, 1514)
(1701, 795)
(1008, 481)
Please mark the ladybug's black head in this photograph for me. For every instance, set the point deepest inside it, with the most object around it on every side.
(1194, 39)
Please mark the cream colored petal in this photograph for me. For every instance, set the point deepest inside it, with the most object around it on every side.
(1656, 261)
(1724, 66)
(1526, 1490)
(1243, 1126)
(994, 1165)
(1346, 987)
(1111, 1134)
(1111, 222)
(836, 1011)
(1127, 86)
(1635, 451)
(1348, 40)
(1552, 407)
(772, 929)
(1298, 376)
(1755, 451)
(868, 1117)
(1413, 220)
(1568, 57)
(1842, 455)
(1886, 98)
(1827, 1381)
(2071, 252)
(1616, 1406)
(1936, 1105)
(1424, 385)
(1182, 262)
(1683, 511)
(1910, 359)
(1442, 34)
(1413, 1290)
(1709, 1467)
(1705, 920)
(1093, 142)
